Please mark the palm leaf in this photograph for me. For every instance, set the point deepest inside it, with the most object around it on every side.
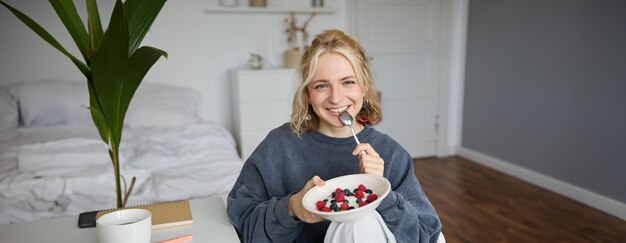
(138, 65)
(109, 70)
(66, 11)
(140, 15)
(99, 121)
(48, 38)
(95, 27)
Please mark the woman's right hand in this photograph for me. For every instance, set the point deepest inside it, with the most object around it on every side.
(296, 209)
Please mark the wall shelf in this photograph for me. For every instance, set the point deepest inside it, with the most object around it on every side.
(269, 9)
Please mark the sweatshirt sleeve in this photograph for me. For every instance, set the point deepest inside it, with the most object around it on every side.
(406, 210)
(256, 217)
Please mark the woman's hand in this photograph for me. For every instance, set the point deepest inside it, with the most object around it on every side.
(370, 162)
(295, 202)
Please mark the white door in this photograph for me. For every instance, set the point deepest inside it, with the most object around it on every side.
(402, 38)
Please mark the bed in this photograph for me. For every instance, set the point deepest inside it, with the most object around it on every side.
(53, 163)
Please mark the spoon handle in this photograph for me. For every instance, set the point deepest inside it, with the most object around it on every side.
(356, 139)
(354, 135)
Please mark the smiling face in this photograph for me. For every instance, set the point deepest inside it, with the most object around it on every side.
(334, 88)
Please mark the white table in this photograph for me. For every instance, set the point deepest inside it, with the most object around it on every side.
(210, 224)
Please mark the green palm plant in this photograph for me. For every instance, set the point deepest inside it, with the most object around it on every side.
(114, 64)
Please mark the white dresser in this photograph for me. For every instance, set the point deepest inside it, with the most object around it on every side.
(262, 102)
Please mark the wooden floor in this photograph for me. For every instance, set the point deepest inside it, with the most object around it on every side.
(478, 204)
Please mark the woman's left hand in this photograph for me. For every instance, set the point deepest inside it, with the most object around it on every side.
(370, 162)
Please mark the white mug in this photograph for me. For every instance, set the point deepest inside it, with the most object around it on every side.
(126, 225)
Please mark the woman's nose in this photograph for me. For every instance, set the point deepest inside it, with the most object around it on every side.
(335, 96)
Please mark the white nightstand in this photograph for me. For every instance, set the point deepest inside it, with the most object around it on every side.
(262, 102)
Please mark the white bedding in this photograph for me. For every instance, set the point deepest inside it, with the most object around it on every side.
(62, 170)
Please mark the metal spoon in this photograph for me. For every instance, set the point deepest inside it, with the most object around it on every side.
(346, 119)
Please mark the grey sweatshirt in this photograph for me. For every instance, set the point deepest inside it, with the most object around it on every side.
(283, 163)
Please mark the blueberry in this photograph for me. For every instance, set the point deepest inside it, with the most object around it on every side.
(333, 201)
(346, 191)
(333, 194)
(358, 200)
(325, 200)
(368, 191)
(351, 207)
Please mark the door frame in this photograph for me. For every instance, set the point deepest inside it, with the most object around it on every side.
(452, 71)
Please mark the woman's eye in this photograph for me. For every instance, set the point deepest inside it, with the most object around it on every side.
(321, 86)
(349, 82)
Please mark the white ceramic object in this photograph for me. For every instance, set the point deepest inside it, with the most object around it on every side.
(126, 225)
(379, 185)
(229, 3)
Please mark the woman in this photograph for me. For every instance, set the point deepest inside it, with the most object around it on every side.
(265, 204)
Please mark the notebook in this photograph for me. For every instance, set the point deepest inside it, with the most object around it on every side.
(165, 214)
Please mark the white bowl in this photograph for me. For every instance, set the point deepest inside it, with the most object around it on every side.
(379, 186)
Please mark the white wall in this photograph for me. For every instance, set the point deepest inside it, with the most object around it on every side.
(202, 46)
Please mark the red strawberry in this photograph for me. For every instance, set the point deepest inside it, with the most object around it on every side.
(344, 206)
(320, 204)
(362, 203)
(372, 197)
(339, 198)
(362, 187)
(338, 190)
(359, 194)
(325, 209)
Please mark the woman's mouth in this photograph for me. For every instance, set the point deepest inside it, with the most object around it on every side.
(338, 109)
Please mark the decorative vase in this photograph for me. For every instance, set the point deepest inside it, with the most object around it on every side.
(293, 57)
(258, 3)
(255, 61)
(125, 225)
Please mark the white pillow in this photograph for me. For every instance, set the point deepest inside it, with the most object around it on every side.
(60, 102)
(9, 118)
(159, 105)
(52, 102)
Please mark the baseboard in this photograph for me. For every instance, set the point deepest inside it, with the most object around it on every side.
(584, 196)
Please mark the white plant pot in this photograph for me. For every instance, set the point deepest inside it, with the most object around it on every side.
(126, 225)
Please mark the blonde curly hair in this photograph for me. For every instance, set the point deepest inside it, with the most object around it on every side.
(303, 118)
